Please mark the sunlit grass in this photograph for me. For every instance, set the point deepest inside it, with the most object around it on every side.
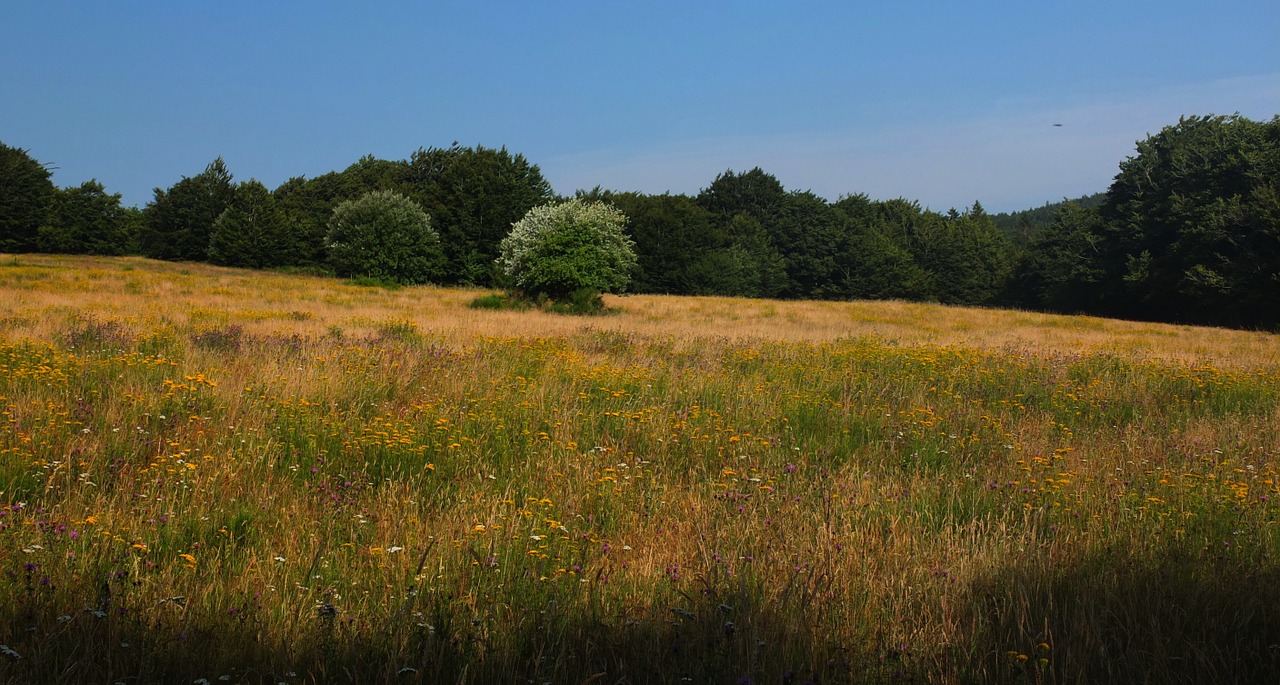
(207, 472)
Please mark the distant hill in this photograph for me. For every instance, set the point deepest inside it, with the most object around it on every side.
(1019, 226)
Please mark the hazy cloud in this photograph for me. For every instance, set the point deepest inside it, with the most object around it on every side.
(1013, 158)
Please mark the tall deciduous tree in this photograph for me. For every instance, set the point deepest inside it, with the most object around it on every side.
(305, 205)
(1192, 224)
(910, 228)
(743, 263)
(86, 220)
(1060, 269)
(178, 222)
(671, 234)
(25, 193)
(755, 218)
(808, 231)
(473, 195)
(869, 264)
(754, 193)
(974, 261)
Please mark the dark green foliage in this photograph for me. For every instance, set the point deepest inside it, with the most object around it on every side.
(1192, 224)
(252, 231)
(873, 268)
(742, 263)
(1024, 226)
(1189, 232)
(581, 302)
(958, 258)
(870, 264)
(473, 195)
(754, 193)
(1059, 269)
(876, 269)
(909, 229)
(671, 234)
(86, 220)
(178, 222)
(490, 301)
(806, 247)
(306, 205)
(25, 194)
(746, 210)
(972, 263)
(682, 248)
(370, 174)
(772, 243)
(384, 235)
(810, 231)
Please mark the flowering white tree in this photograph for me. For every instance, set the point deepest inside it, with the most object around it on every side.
(561, 249)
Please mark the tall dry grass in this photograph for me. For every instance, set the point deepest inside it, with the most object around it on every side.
(159, 292)
(232, 476)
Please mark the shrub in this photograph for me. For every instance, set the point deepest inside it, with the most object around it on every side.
(499, 301)
(584, 302)
(384, 236)
(575, 246)
(490, 301)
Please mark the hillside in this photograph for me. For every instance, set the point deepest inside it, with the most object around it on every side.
(150, 292)
(212, 474)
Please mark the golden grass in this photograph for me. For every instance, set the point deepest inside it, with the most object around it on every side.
(346, 483)
(275, 303)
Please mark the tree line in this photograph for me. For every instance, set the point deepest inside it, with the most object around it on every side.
(1189, 230)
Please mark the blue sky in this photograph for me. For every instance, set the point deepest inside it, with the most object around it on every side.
(941, 102)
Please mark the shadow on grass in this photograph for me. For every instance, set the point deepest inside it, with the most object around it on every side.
(441, 639)
(1182, 617)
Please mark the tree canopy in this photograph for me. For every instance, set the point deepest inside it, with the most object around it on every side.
(1192, 223)
(1189, 231)
(251, 231)
(474, 195)
(178, 222)
(86, 220)
(385, 236)
(25, 193)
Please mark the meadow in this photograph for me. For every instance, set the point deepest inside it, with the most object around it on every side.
(214, 475)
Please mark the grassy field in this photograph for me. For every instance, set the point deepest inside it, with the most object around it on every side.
(217, 475)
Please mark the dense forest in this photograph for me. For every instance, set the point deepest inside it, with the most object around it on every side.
(1188, 232)
(1021, 226)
